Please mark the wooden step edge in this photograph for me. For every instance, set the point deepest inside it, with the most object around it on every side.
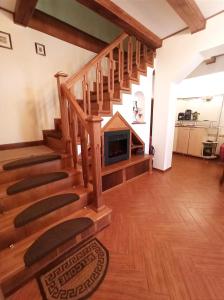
(13, 273)
(9, 234)
(8, 202)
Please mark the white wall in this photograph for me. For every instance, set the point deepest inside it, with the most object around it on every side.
(28, 101)
(126, 109)
(202, 86)
(177, 58)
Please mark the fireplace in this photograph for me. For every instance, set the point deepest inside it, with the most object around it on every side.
(116, 146)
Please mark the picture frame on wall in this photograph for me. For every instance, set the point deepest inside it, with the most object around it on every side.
(5, 40)
(40, 49)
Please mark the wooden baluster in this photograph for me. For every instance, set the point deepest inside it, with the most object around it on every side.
(137, 53)
(121, 64)
(100, 86)
(88, 98)
(66, 128)
(84, 93)
(74, 135)
(130, 54)
(60, 76)
(84, 154)
(145, 55)
(94, 123)
(97, 84)
(111, 74)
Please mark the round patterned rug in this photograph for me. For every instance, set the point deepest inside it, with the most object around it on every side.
(75, 275)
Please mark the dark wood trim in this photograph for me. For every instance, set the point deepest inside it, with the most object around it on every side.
(118, 16)
(21, 145)
(59, 29)
(189, 13)
(23, 11)
(6, 10)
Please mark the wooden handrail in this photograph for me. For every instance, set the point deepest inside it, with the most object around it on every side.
(69, 82)
(78, 110)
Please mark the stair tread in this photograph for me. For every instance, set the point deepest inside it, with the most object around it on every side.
(55, 237)
(11, 259)
(7, 219)
(35, 181)
(44, 207)
(29, 161)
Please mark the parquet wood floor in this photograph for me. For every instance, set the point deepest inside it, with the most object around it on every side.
(166, 240)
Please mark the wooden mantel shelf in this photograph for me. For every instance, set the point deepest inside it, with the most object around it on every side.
(118, 173)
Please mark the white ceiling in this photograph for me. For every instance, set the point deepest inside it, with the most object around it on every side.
(160, 18)
(156, 15)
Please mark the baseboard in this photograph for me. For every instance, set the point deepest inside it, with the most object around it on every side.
(21, 145)
(162, 171)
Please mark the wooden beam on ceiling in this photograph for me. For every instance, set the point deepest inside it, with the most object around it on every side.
(63, 31)
(23, 11)
(118, 16)
(189, 13)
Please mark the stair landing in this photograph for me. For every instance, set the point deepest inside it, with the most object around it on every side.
(13, 154)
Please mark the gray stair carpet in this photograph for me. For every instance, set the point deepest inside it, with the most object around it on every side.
(35, 181)
(29, 161)
(44, 207)
(55, 237)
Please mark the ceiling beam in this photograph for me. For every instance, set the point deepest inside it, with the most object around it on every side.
(118, 16)
(63, 31)
(189, 13)
(23, 11)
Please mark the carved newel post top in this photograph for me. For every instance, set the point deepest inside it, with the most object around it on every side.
(60, 74)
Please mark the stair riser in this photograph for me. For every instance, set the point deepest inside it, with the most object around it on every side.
(29, 196)
(57, 124)
(55, 144)
(11, 235)
(13, 175)
(16, 280)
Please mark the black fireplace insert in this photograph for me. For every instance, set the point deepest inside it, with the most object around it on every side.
(116, 146)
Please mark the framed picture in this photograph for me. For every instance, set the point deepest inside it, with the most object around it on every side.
(5, 40)
(40, 49)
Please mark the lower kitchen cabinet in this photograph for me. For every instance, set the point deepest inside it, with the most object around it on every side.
(197, 136)
(189, 140)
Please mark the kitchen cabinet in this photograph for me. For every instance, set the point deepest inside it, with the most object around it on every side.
(188, 140)
(182, 140)
(196, 137)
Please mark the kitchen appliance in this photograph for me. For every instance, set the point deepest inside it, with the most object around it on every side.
(181, 116)
(188, 114)
(195, 115)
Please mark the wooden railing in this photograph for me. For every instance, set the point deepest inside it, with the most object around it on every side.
(80, 116)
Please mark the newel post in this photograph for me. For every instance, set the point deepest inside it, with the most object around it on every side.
(94, 123)
(65, 122)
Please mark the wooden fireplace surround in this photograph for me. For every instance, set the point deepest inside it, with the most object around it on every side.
(137, 164)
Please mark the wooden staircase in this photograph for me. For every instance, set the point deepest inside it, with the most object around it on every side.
(84, 98)
(16, 237)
